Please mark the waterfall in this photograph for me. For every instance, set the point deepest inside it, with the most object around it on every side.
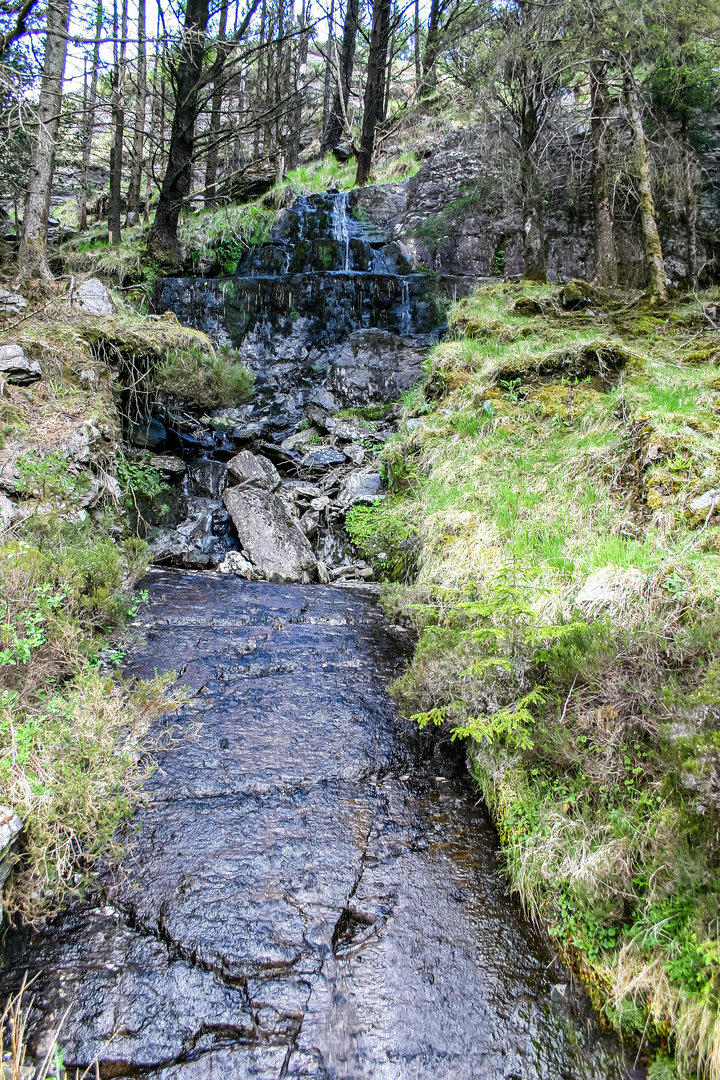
(406, 320)
(340, 226)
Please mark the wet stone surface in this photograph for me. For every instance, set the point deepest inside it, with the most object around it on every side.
(309, 892)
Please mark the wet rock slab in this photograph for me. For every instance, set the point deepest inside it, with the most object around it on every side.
(305, 895)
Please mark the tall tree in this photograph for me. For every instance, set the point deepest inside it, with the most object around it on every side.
(117, 124)
(136, 164)
(33, 255)
(654, 262)
(374, 88)
(345, 62)
(606, 271)
(88, 127)
(211, 166)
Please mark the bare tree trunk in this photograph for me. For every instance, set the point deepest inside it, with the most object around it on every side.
(329, 68)
(259, 84)
(333, 130)
(33, 254)
(163, 245)
(300, 64)
(136, 166)
(388, 79)
(432, 47)
(606, 271)
(534, 264)
(211, 165)
(89, 119)
(118, 131)
(416, 37)
(374, 87)
(657, 286)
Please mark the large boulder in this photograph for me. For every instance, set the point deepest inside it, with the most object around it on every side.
(16, 367)
(93, 298)
(248, 468)
(270, 538)
(375, 365)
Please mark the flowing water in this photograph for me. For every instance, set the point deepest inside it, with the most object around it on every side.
(311, 889)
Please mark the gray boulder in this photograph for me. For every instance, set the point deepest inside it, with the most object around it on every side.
(11, 303)
(254, 469)
(92, 298)
(268, 536)
(16, 367)
(360, 487)
(10, 829)
(320, 457)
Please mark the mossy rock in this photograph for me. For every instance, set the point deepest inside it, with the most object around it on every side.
(706, 354)
(602, 358)
(531, 305)
(578, 293)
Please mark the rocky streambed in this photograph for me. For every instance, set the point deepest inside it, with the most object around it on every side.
(310, 889)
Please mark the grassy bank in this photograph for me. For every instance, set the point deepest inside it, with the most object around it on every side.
(73, 746)
(549, 498)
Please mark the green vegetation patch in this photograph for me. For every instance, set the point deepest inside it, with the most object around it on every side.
(384, 538)
(565, 599)
(207, 380)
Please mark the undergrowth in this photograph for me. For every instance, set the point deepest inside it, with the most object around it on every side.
(207, 380)
(557, 471)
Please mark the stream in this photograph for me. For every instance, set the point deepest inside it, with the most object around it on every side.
(311, 889)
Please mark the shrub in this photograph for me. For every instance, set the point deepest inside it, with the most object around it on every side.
(210, 381)
(384, 538)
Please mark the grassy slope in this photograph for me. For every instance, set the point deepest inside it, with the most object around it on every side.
(71, 734)
(566, 600)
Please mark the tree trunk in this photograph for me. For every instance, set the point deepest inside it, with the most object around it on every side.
(606, 273)
(338, 113)
(33, 255)
(211, 165)
(117, 132)
(163, 245)
(259, 84)
(432, 48)
(388, 80)
(657, 287)
(136, 167)
(534, 265)
(89, 119)
(416, 37)
(329, 68)
(374, 88)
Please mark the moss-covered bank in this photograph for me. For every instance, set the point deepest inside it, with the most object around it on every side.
(559, 469)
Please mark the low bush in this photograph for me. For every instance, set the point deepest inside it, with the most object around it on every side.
(385, 539)
(207, 380)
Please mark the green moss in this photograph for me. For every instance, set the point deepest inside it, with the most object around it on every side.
(384, 538)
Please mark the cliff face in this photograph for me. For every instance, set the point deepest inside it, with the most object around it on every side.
(462, 217)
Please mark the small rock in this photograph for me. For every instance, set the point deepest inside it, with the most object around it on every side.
(323, 574)
(559, 992)
(92, 297)
(360, 487)
(268, 535)
(324, 399)
(319, 457)
(170, 465)
(317, 415)
(81, 442)
(300, 439)
(355, 452)
(7, 513)
(255, 469)
(89, 380)
(10, 829)
(256, 429)
(237, 564)
(310, 523)
(705, 501)
(16, 367)
(11, 303)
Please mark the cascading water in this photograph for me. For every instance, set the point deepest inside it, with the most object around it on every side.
(340, 227)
